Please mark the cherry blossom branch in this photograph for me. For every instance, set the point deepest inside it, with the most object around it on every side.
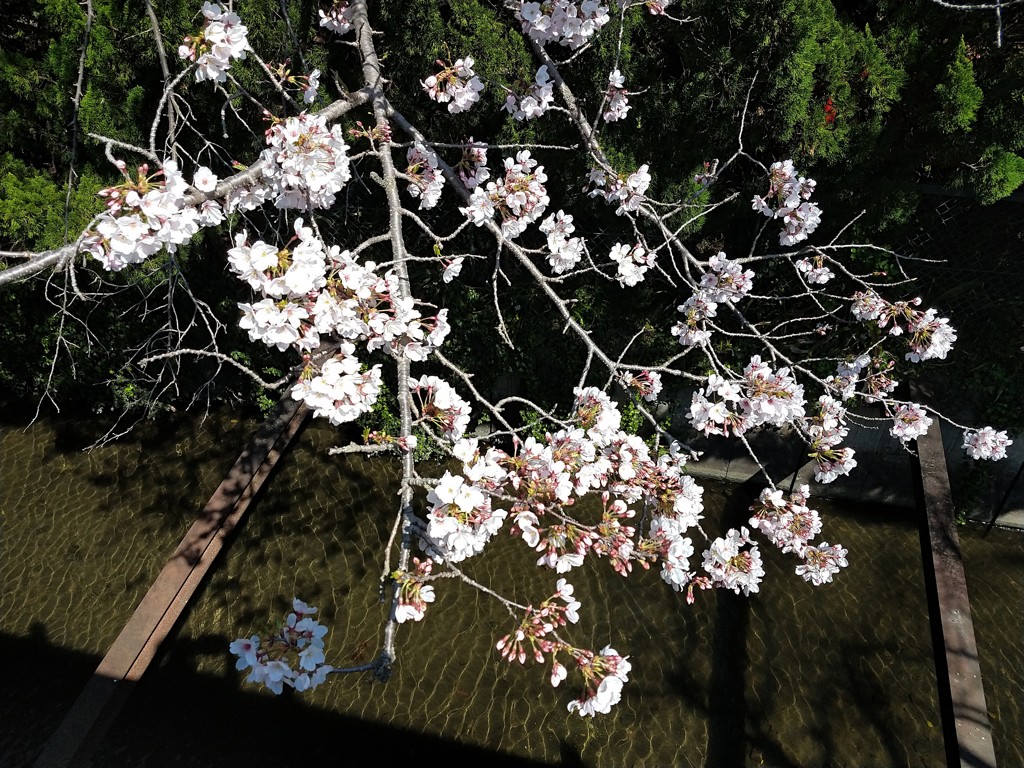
(272, 385)
(373, 79)
(76, 104)
(983, 6)
(40, 261)
(154, 24)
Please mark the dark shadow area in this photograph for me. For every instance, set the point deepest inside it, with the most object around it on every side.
(41, 682)
(727, 706)
(214, 722)
(995, 578)
(178, 718)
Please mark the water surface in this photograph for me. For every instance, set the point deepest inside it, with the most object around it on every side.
(794, 676)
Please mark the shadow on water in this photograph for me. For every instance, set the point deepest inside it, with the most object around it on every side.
(175, 717)
(792, 676)
(727, 709)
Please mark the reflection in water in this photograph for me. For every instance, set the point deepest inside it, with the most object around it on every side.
(840, 675)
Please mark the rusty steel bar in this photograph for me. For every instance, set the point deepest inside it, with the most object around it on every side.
(966, 728)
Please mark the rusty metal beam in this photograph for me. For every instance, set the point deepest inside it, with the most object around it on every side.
(966, 728)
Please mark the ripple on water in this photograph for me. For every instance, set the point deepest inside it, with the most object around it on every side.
(84, 534)
(841, 675)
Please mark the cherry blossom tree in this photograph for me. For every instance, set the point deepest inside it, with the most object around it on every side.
(354, 316)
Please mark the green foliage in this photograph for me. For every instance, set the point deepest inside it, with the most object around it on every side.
(837, 84)
(632, 419)
(127, 394)
(958, 94)
(383, 417)
(252, 392)
(535, 425)
(881, 66)
(32, 205)
(999, 174)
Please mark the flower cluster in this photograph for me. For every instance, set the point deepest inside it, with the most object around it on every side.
(291, 272)
(832, 463)
(564, 253)
(306, 162)
(931, 337)
(440, 404)
(290, 279)
(313, 291)
(403, 329)
(536, 637)
(986, 443)
(910, 421)
(872, 372)
(821, 561)
(425, 179)
(726, 281)
(519, 197)
(533, 637)
(543, 475)
(814, 270)
(562, 21)
(928, 336)
(604, 673)
(667, 537)
(413, 594)
(146, 214)
(732, 567)
(647, 384)
(788, 199)
(847, 375)
(543, 478)
(762, 396)
(824, 431)
(627, 192)
(692, 329)
(292, 655)
(222, 38)
(826, 428)
(791, 525)
(618, 104)
(341, 391)
(632, 263)
(538, 97)
(457, 85)
(675, 549)
(275, 323)
(472, 168)
(461, 521)
(338, 19)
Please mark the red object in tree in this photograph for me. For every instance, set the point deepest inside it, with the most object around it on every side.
(830, 112)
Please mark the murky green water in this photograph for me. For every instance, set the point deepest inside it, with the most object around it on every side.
(796, 676)
(995, 581)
